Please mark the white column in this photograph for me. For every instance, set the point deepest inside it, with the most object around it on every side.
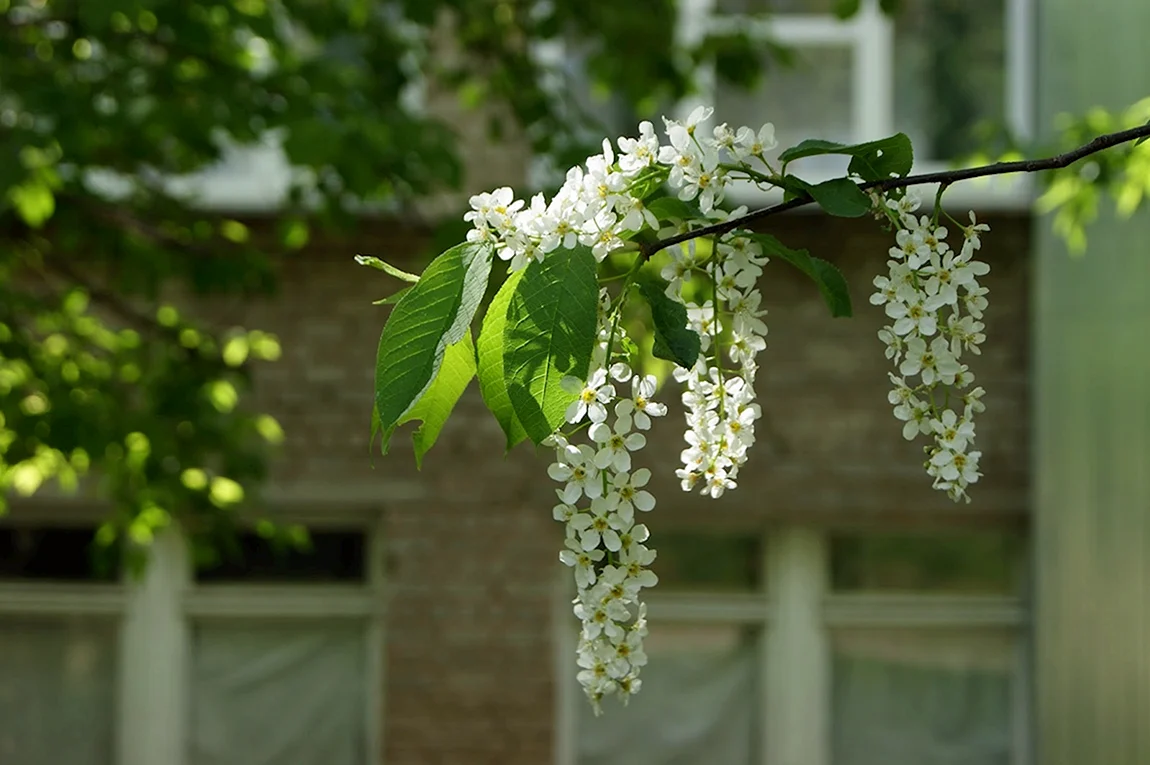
(376, 643)
(873, 76)
(153, 708)
(1091, 421)
(797, 683)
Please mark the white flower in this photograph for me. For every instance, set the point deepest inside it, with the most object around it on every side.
(748, 143)
(616, 444)
(965, 334)
(974, 301)
(639, 153)
(744, 347)
(698, 114)
(895, 345)
(958, 467)
(745, 307)
(596, 526)
(927, 290)
(971, 232)
(930, 362)
(913, 317)
(576, 467)
(593, 396)
(717, 481)
(583, 561)
(640, 408)
(629, 488)
(916, 415)
(953, 432)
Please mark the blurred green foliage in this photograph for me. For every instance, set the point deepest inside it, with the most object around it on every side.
(103, 101)
(1073, 194)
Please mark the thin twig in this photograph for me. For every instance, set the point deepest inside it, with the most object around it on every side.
(945, 177)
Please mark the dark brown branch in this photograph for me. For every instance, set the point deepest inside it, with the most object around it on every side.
(945, 178)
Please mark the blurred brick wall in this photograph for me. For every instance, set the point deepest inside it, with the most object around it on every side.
(471, 543)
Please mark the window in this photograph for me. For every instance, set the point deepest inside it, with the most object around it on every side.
(824, 648)
(942, 71)
(927, 655)
(701, 698)
(59, 632)
(267, 656)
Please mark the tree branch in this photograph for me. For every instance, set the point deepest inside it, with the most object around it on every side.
(945, 178)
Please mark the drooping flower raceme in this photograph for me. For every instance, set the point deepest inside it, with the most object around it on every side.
(932, 296)
(602, 490)
(719, 394)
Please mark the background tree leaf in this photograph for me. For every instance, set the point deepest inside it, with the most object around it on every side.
(674, 340)
(433, 315)
(826, 276)
(549, 334)
(490, 351)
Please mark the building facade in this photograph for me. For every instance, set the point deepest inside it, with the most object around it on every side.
(833, 610)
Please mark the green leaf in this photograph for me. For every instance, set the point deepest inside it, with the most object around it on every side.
(648, 182)
(550, 333)
(812, 147)
(873, 160)
(34, 202)
(433, 315)
(392, 299)
(379, 265)
(490, 348)
(673, 208)
(879, 160)
(841, 197)
(829, 279)
(435, 405)
(846, 9)
(674, 340)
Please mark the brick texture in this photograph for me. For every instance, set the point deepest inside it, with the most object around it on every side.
(471, 544)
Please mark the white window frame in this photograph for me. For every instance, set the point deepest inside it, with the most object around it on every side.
(156, 615)
(799, 614)
(870, 33)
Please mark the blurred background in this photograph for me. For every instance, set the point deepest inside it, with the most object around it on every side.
(202, 562)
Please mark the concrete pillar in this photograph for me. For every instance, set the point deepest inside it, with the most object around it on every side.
(1092, 421)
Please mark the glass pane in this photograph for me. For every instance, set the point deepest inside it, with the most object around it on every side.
(812, 99)
(278, 694)
(57, 692)
(959, 562)
(56, 554)
(708, 561)
(950, 73)
(927, 697)
(699, 702)
(334, 556)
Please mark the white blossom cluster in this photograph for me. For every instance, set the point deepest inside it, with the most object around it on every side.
(597, 204)
(720, 398)
(600, 206)
(601, 493)
(933, 297)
